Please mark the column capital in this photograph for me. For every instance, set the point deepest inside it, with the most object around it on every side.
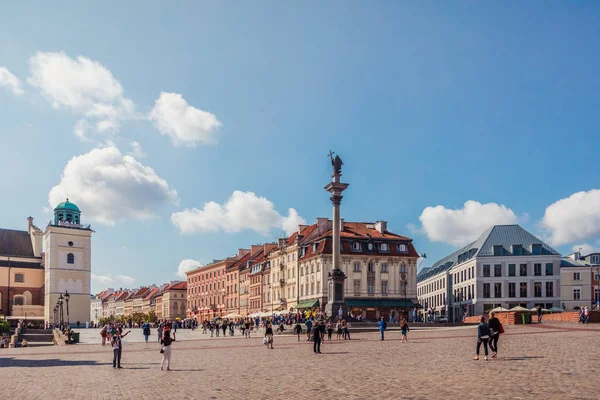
(336, 199)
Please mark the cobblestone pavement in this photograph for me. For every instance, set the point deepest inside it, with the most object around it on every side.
(536, 362)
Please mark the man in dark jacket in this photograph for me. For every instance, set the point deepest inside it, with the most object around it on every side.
(317, 334)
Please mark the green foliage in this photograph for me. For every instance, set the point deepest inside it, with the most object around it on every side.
(4, 326)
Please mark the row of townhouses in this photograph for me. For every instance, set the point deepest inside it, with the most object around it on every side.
(380, 266)
(167, 301)
(507, 267)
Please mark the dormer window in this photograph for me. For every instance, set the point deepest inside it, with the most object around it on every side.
(517, 249)
(536, 249)
(315, 246)
(498, 250)
(384, 247)
(356, 246)
(595, 259)
(402, 248)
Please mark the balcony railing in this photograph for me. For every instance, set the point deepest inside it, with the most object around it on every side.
(282, 282)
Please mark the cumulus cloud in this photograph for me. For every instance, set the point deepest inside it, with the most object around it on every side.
(83, 86)
(187, 265)
(461, 226)
(574, 218)
(125, 279)
(185, 125)
(586, 248)
(106, 279)
(10, 81)
(109, 186)
(137, 150)
(243, 210)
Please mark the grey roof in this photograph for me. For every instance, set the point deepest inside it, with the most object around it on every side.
(507, 235)
(15, 243)
(498, 235)
(569, 262)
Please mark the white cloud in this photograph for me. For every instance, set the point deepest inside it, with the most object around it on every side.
(102, 279)
(459, 227)
(109, 186)
(10, 81)
(243, 210)
(586, 248)
(187, 265)
(185, 125)
(127, 280)
(85, 87)
(572, 219)
(137, 150)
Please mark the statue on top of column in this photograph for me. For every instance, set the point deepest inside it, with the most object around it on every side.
(336, 163)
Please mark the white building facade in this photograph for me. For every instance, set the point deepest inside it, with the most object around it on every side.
(505, 267)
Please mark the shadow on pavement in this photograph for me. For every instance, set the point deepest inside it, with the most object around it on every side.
(12, 362)
(524, 358)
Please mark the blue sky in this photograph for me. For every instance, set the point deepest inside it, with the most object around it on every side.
(449, 117)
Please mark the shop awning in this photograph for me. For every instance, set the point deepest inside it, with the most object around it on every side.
(307, 304)
(392, 303)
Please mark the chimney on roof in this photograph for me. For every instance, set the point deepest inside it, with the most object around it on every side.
(256, 248)
(30, 221)
(341, 224)
(302, 227)
(268, 247)
(381, 226)
(323, 225)
(242, 252)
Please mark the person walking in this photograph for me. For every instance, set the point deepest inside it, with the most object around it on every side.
(309, 326)
(159, 331)
(298, 329)
(269, 335)
(404, 329)
(146, 331)
(329, 329)
(104, 335)
(117, 345)
(495, 330)
(224, 327)
(539, 313)
(317, 337)
(248, 329)
(483, 335)
(338, 329)
(166, 348)
(382, 327)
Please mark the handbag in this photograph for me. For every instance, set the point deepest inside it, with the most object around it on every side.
(501, 330)
(265, 341)
(162, 350)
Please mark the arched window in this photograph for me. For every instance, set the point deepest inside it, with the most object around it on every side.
(19, 278)
(70, 258)
(402, 267)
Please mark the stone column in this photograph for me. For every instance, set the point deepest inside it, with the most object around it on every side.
(336, 277)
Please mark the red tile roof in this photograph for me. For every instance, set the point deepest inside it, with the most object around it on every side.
(177, 286)
(151, 293)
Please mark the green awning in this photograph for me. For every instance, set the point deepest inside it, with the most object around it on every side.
(307, 304)
(393, 303)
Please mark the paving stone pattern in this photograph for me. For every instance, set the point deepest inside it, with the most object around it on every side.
(536, 362)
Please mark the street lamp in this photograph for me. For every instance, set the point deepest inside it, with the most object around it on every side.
(67, 297)
(596, 297)
(60, 306)
(55, 312)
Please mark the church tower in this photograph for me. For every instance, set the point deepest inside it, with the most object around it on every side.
(68, 264)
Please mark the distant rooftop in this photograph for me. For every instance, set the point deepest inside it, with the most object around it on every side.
(499, 240)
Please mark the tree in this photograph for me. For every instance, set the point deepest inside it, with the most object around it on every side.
(150, 316)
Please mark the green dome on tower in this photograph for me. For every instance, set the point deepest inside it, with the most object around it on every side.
(67, 213)
(67, 205)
